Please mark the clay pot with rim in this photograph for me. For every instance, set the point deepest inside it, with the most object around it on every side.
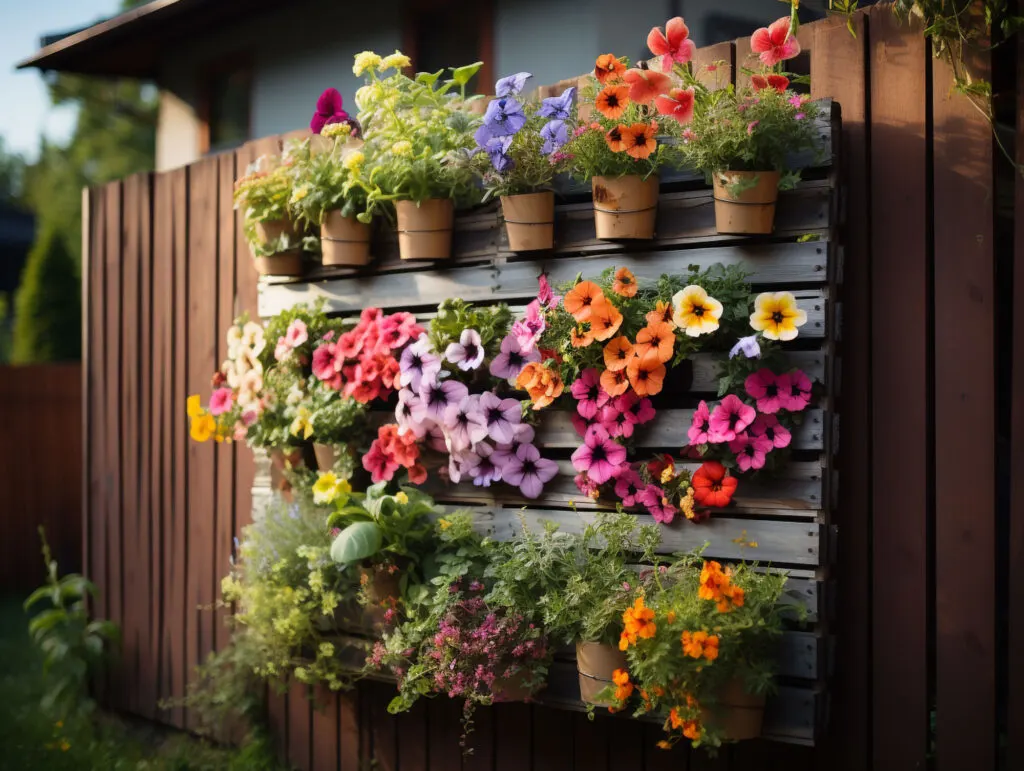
(326, 456)
(281, 264)
(625, 207)
(595, 663)
(529, 220)
(271, 230)
(751, 210)
(515, 688)
(344, 240)
(738, 714)
(425, 230)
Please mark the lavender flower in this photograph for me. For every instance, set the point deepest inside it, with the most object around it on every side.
(748, 345)
(555, 135)
(464, 423)
(523, 434)
(504, 117)
(528, 471)
(484, 471)
(511, 85)
(436, 397)
(558, 107)
(496, 148)
(418, 362)
(511, 359)
(408, 404)
(468, 353)
(501, 416)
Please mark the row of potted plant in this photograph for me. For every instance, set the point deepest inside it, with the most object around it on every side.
(420, 148)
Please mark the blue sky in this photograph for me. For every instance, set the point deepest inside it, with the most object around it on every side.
(26, 113)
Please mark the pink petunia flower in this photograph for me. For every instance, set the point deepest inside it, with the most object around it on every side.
(775, 43)
(545, 294)
(589, 395)
(627, 484)
(468, 353)
(795, 391)
(503, 452)
(653, 499)
(750, 451)
(763, 386)
(730, 417)
(408, 402)
(769, 427)
(586, 485)
(464, 423)
(282, 350)
(419, 362)
(512, 358)
(436, 397)
(616, 421)
(221, 400)
(483, 470)
(529, 328)
(700, 427)
(323, 362)
(599, 455)
(640, 410)
(297, 333)
(382, 467)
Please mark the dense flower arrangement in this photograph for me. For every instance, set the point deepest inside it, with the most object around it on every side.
(263, 196)
(330, 179)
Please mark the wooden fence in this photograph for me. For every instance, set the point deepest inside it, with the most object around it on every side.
(40, 471)
(929, 589)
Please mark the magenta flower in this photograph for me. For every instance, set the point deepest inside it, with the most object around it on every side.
(700, 428)
(580, 423)
(528, 471)
(220, 401)
(763, 386)
(637, 411)
(464, 423)
(438, 396)
(589, 395)
(382, 467)
(501, 416)
(398, 329)
(586, 485)
(512, 358)
(730, 417)
(615, 420)
(527, 330)
(328, 110)
(323, 362)
(599, 455)
(504, 452)
(653, 499)
(297, 333)
(750, 451)
(775, 43)
(408, 402)
(627, 485)
(418, 362)
(769, 427)
(468, 353)
(546, 295)
(794, 390)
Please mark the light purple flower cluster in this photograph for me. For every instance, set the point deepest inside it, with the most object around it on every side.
(505, 117)
(482, 434)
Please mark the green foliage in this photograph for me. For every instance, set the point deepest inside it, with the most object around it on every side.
(357, 542)
(329, 180)
(263, 194)
(48, 304)
(12, 172)
(454, 316)
(337, 420)
(381, 526)
(73, 647)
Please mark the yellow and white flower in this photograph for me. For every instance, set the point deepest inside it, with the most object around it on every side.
(776, 316)
(402, 147)
(695, 312)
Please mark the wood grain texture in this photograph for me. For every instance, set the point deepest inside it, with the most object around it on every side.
(299, 725)
(714, 65)
(1015, 598)
(325, 750)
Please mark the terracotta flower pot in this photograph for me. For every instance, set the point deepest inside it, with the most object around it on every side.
(738, 714)
(595, 663)
(281, 460)
(625, 207)
(515, 688)
(326, 455)
(281, 264)
(425, 231)
(271, 230)
(751, 211)
(344, 240)
(529, 220)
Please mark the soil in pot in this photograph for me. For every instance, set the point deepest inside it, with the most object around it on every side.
(751, 210)
(737, 714)
(625, 207)
(529, 221)
(281, 264)
(425, 231)
(595, 663)
(344, 241)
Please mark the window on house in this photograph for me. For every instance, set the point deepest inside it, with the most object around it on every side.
(228, 101)
(441, 33)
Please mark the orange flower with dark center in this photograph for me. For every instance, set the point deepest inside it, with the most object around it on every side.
(625, 283)
(617, 353)
(646, 374)
(543, 384)
(605, 319)
(608, 68)
(645, 85)
(662, 313)
(658, 339)
(614, 139)
(712, 486)
(639, 140)
(614, 382)
(611, 102)
(638, 624)
(581, 335)
(578, 300)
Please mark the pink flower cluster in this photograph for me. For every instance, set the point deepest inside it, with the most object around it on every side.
(751, 432)
(361, 363)
(295, 336)
(392, 450)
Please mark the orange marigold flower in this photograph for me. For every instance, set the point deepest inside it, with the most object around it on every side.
(662, 313)
(620, 676)
(657, 339)
(639, 140)
(578, 300)
(605, 318)
(693, 643)
(543, 384)
(614, 381)
(608, 68)
(645, 85)
(581, 335)
(612, 101)
(646, 375)
(670, 616)
(623, 688)
(712, 579)
(691, 730)
(615, 139)
(664, 745)
(711, 647)
(625, 283)
(639, 622)
(673, 717)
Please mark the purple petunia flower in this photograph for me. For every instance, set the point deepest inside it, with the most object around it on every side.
(436, 397)
(528, 471)
(468, 353)
(408, 402)
(511, 359)
(511, 85)
(496, 148)
(484, 470)
(328, 110)
(501, 416)
(504, 117)
(464, 423)
(748, 346)
(558, 107)
(599, 455)
(555, 135)
(434, 438)
(524, 434)
(418, 362)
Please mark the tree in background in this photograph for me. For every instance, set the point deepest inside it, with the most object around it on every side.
(47, 307)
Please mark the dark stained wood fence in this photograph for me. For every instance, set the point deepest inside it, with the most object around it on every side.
(40, 471)
(928, 585)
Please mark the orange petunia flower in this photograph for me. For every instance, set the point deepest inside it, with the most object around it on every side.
(581, 335)
(614, 382)
(614, 139)
(662, 313)
(658, 339)
(605, 319)
(645, 85)
(617, 353)
(712, 486)
(646, 374)
(543, 384)
(612, 101)
(625, 283)
(608, 68)
(639, 140)
(578, 300)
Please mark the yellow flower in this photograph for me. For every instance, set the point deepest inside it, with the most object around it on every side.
(776, 316)
(365, 60)
(202, 427)
(353, 161)
(695, 312)
(335, 130)
(64, 745)
(444, 524)
(299, 193)
(668, 474)
(397, 60)
(686, 504)
(302, 425)
(401, 497)
(325, 489)
(193, 406)
(402, 147)
(367, 95)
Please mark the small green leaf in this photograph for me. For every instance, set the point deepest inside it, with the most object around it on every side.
(428, 78)
(357, 542)
(462, 75)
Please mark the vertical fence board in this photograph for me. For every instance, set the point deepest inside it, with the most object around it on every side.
(481, 741)
(513, 736)
(900, 424)
(299, 717)
(385, 733)
(552, 739)
(443, 715)
(592, 743)
(721, 59)
(350, 753)
(97, 400)
(839, 70)
(277, 722)
(326, 753)
(88, 333)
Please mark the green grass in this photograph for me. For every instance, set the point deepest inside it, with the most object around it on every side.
(30, 740)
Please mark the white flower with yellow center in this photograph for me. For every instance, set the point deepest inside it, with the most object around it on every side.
(695, 312)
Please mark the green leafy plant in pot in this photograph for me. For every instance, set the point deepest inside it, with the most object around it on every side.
(263, 195)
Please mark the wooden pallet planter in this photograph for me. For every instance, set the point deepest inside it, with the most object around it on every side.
(788, 515)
